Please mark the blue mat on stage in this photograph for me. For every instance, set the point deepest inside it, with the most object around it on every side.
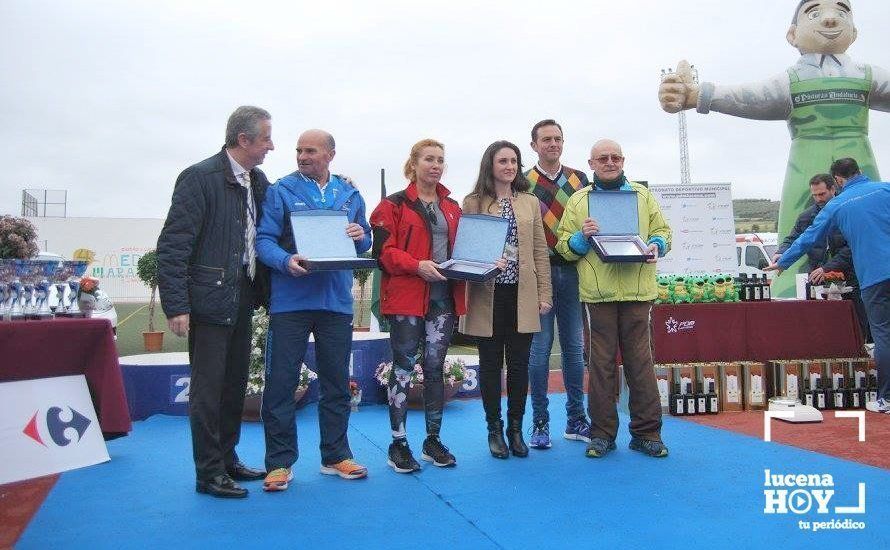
(708, 493)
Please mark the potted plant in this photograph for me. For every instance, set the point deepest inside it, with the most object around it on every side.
(361, 277)
(454, 372)
(147, 271)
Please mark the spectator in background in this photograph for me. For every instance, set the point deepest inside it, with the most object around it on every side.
(861, 215)
(831, 255)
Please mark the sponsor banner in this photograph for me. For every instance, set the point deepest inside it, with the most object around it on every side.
(703, 228)
(47, 426)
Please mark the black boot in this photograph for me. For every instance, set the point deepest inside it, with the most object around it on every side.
(514, 435)
(496, 443)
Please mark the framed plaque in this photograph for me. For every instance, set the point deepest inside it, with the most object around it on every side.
(618, 239)
(479, 243)
(320, 237)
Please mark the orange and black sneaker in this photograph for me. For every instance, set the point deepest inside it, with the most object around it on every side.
(277, 479)
(347, 469)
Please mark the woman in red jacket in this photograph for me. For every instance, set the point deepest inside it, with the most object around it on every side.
(414, 230)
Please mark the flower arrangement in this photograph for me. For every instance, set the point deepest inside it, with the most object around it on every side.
(834, 277)
(453, 371)
(256, 377)
(18, 238)
(89, 285)
(355, 395)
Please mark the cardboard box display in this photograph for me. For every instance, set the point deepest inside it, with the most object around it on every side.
(684, 374)
(731, 394)
(838, 369)
(755, 387)
(707, 373)
(785, 379)
(813, 370)
(663, 381)
(859, 369)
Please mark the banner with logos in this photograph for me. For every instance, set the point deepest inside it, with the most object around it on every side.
(47, 426)
(703, 225)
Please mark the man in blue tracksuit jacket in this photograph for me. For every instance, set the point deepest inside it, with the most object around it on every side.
(304, 302)
(862, 214)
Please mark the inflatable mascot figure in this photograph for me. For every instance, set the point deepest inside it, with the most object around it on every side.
(825, 97)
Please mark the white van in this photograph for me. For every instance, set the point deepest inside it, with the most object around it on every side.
(754, 251)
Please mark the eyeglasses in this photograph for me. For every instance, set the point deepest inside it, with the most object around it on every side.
(606, 158)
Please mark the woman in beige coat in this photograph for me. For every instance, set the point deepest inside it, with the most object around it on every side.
(505, 311)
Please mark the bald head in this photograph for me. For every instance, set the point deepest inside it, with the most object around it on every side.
(606, 160)
(315, 151)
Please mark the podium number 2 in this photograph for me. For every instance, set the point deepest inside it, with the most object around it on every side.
(183, 396)
(471, 382)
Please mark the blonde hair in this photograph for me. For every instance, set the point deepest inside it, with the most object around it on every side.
(414, 156)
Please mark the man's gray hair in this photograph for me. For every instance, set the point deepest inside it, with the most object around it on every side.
(245, 120)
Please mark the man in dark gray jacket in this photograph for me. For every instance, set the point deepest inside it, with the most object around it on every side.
(209, 282)
(832, 255)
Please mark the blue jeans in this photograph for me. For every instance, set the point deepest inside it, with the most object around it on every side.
(567, 313)
(285, 349)
(877, 304)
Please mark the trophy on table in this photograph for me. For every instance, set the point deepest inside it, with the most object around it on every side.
(29, 272)
(42, 288)
(78, 268)
(63, 271)
(7, 275)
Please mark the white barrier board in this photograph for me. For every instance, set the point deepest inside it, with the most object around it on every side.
(701, 219)
(47, 425)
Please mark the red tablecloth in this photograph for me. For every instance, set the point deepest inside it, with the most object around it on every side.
(61, 347)
(755, 331)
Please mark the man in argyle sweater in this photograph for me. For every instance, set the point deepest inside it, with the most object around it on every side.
(553, 184)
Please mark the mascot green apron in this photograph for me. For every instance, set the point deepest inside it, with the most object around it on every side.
(825, 98)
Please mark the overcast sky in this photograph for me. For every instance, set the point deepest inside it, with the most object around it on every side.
(111, 100)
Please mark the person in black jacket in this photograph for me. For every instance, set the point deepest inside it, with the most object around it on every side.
(209, 283)
(832, 255)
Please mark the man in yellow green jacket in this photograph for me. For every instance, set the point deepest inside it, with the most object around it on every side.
(617, 300)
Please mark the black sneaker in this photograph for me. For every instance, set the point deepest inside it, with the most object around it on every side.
(648, 447)
(400, 458)
(599, 447)
(437, 453)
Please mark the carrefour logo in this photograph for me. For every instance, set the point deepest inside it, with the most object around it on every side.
(61, 431)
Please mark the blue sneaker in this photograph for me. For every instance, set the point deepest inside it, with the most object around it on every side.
(540, 435)
(578, 429)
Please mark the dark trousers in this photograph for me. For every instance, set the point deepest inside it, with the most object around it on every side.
(623, 325)
(877, 302)
(219, 357)
(861, 314)
(286, 345)
(491, 358)
(406, 335)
